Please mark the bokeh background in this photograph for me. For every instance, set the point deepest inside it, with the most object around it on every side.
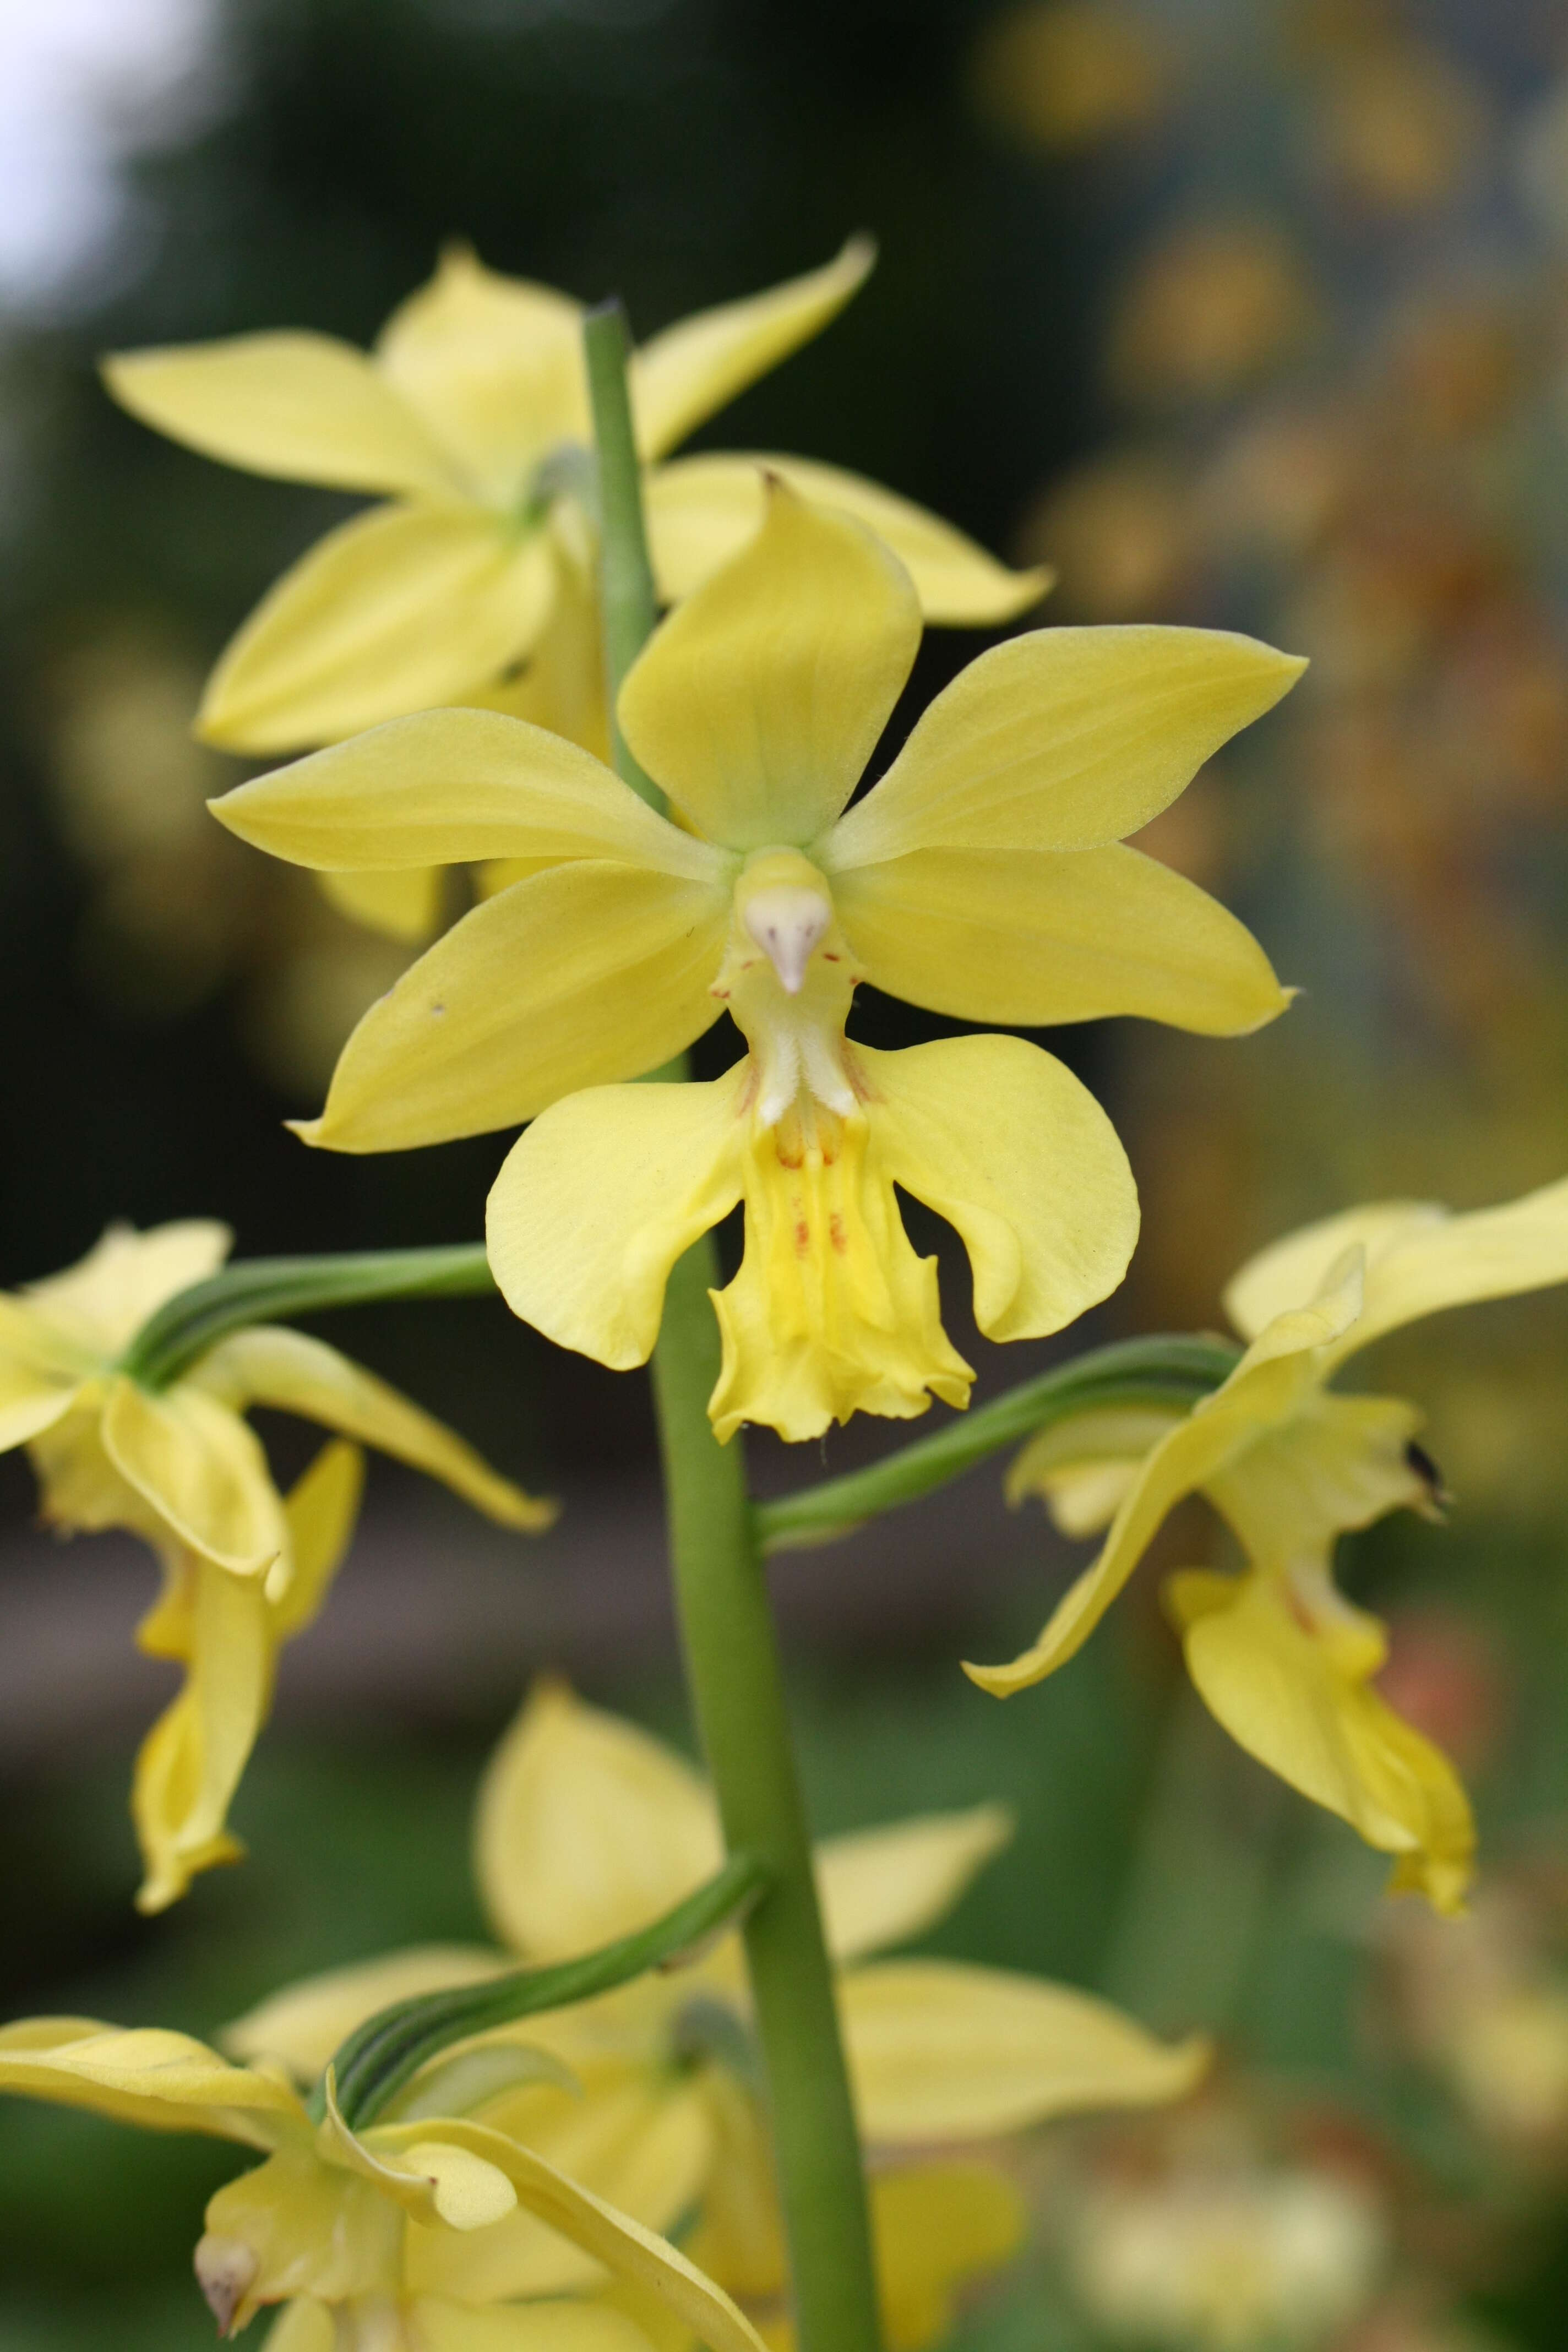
(1246, 312)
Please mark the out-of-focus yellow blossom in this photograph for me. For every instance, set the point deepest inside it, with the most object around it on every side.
(985, 876)
(242, 1570)
(1280, 1656)
(472, 413)
(334, 2223)
(586, 1829)
(1230, 2258)
(1071, 73)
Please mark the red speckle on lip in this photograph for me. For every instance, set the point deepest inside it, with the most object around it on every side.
(837, 1234)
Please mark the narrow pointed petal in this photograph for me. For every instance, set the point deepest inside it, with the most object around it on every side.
(696, 367)
(941, 2050)
(1276, 1689)
(41, 1373)
(268, 1364)
(1084, 1468)
(301, 2027)
(703, 511)
(623, 2246)
(1064, 739)
(1288, 1272)
(1035, 938)
(163, 2081)
(1003, 1142)
(493, 368)
(587, 1828)
(1485, 1254)
(594, 1203)
(1266, 1387)
(401, 902)
(444, 786)
(201, 1469)
(589, 972)
(191, 1761)
(321, 1509)
(103, 1300)
(758, 702)
(933, 2227)
(887, 1886)
(307, 408)
(402, 608)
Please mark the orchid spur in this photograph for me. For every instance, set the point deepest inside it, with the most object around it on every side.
(1280, 1656)
(983, 876)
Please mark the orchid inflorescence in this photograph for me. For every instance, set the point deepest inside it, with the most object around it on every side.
(586, 2134)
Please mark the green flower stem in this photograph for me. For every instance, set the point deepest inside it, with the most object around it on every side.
(727, 1625)
(1167, 1372)
(264, 1289)
(627, 601)
(384, 2052)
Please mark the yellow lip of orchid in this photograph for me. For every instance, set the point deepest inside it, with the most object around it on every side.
(1280, 1656)
(324, 2222)
(984, 876)
(244, 1571)
(471, 414)
(585, 1827)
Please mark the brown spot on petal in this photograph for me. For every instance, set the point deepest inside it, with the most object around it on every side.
(225, 2271)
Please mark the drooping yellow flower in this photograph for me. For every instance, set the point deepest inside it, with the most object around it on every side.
(1283, 1661)
(331, 2222)
(242, 1570)
(586, 1830)
(985, 876)
(472, 413)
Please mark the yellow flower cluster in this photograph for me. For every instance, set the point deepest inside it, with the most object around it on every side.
(244, 1570)
(518, 2192)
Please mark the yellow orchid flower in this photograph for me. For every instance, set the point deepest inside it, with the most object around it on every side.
(983, 876)
(472, 413)
(585, 1829)
(244, 1572)
(1282, 1660)
(331, 2224)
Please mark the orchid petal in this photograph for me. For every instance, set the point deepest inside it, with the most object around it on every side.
(201, 1469)
(887, 1885)
(758, 702)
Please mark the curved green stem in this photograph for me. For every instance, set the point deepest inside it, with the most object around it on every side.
(1176, 1371)
(261, 1289)
(726, 1619)
(384, 2052)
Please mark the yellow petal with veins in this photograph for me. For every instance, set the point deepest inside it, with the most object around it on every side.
(794, 654)
(587, 1828)
(681, 376)
(887, 1885)
(588, 972)
(399, 609)
(201, 1471)
(1064, 739)
(942, 2051)
(268, 1364)
(103, 1301)
(305, 407)
(1275, 1688)
(163, 2081)
(444, 786)
(1032, 939)
(401, 902)
(494, 367)
(703, 511)
(1003, 1142)
(594, 1203)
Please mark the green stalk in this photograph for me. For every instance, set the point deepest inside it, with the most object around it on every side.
(726, 1620)
(1176, 1371)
